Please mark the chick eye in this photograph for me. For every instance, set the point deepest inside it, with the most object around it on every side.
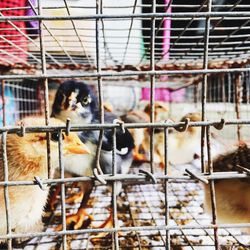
(86, 100)
(55, 136)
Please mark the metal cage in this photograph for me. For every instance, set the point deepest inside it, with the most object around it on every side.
(201, 48)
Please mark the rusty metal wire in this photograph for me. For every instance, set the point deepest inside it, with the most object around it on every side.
(206, 54)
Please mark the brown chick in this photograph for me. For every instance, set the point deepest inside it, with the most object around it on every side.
(27, 158)
(181, 145)
(161, 111)
(232, 195)
(141, 136)
(137, 116)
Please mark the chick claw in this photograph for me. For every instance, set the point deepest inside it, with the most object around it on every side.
(78, 219)
(108, 223)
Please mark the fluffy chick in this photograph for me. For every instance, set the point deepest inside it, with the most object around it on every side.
(183, 145)
(27, 158)
(161, 111)
(77, 101)
(232, 195)
(141, 136)
(137, 116)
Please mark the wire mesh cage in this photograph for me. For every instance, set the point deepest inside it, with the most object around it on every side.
(191, 192)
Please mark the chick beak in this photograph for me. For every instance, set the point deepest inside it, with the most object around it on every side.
(76, 148)
(73, 107)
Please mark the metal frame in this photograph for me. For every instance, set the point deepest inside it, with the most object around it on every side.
(100, 74)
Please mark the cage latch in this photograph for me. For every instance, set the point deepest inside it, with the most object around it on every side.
(220, 125)
(195, 176)
(121, 123)
(39, 182)
(242, 169)
(99, 177)
(149, 176)
(22, 131)
(183, 128)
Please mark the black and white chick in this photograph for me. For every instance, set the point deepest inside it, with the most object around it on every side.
(77, 101)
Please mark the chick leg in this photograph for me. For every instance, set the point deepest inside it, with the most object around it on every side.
(72, 199)
(78, 219)
(137, 155)
(162, 162)
(108, 223)
(53, 199)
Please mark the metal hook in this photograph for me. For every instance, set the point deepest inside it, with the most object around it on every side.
(99, 177)
(68, 126)
(220, 125)
(38, 181)
(121, 123)
(23, 130)
(148, 175)
(242, 169)
(183, 128)
(195, 176)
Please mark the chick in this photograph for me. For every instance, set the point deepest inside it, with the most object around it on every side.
(160, 113)
(75, 100)
(137, 116)
(141, 135)
(181, 145)
(27, 158)
(232, 195)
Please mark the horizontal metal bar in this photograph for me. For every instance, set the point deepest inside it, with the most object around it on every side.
(137, 177)
(121, 74)
(131, 6)
(79, 127)
(240, 14)
(124, 229)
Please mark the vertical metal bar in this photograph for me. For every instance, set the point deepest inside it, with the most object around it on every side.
(238, 98)
(247, 87)
(204, 83)
(229, 86)
(129, 33)
(3, 104)
(6, 190)
(99, 82)
(39, 99)
(45, 85)
(56, 40)
(195, 94)
(115, 242)
(166, 188)
(77, 33)
(152, 85)
(63, 209)
(223, 90)
(212, 189)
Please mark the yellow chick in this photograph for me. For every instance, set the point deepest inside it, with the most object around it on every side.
(27, 158)
(181, 145)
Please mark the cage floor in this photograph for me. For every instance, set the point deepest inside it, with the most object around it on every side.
(143, 205)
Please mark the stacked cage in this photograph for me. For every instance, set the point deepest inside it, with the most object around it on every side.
(193, 57)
